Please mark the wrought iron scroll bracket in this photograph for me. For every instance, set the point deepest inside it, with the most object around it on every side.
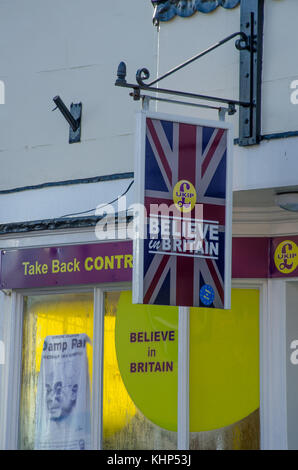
(143, 74)
(249, 44)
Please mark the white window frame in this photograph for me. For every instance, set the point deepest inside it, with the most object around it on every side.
(272, 324)
(272, 384)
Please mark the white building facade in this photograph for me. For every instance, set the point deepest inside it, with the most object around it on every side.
(239, 390)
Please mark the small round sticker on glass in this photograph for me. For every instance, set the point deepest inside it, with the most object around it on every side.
(207, 295)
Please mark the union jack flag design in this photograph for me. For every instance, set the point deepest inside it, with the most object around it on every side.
(176, 151)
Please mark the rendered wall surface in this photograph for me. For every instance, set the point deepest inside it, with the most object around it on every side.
(270, 164)
(72, 49)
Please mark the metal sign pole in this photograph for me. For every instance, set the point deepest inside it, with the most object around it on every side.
(183, 379)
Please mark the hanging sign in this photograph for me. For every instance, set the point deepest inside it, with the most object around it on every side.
(182, 252)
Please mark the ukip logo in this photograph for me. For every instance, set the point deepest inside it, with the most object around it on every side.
(184, 196)
(286, 257)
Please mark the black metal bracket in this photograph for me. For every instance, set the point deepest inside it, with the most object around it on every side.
(251, 23)
(73, 118)
(144, 74)
(249, 44)
(76, 111)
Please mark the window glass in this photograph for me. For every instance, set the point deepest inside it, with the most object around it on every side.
(224, 374)
(140, 375)
(56, 371)
(140, 372)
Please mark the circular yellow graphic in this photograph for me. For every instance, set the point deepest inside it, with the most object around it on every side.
(286, 257)
(224, 360)
(147, 351)
(184, 196)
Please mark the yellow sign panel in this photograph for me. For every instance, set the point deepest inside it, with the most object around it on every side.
(286, 257)
(224, 360)
(147, 352)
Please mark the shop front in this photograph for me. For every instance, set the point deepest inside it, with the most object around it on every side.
(87, 368)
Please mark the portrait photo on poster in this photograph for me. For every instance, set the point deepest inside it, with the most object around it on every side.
(63, 394)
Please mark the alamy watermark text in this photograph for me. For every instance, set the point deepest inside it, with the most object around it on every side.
(2, 353)
(2, 92)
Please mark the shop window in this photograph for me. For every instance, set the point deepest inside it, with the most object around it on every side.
(224, 375)
(140, 375)
(55, 401)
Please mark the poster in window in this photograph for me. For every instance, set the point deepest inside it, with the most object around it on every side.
(63, 395)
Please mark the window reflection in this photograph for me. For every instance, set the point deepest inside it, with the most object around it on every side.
(44, 316)
(124, 426)
(224, 374)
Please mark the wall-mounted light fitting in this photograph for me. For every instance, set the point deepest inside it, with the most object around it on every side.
(73, 117)
(287, 201)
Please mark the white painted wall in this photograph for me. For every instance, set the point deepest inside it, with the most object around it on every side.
(70, 48)
(272, 164)
(78, 200)
(280, 66)
(73, 48)
(214, 74)
(218, 72)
